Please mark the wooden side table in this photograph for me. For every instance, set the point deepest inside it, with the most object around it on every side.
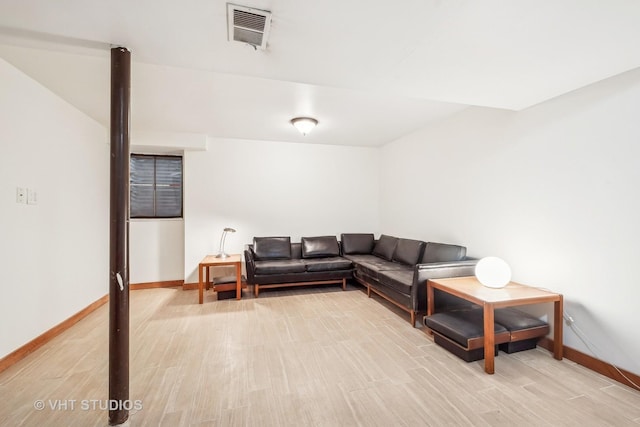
(514, 294)
(212, 261)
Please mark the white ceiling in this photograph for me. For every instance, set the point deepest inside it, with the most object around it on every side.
(369, 71)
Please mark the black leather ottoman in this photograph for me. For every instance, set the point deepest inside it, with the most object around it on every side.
(524, 329)
(462, 333)
(225, 286)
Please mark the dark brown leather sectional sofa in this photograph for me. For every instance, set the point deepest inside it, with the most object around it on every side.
(395, 268)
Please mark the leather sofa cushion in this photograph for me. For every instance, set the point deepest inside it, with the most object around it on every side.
(408, 251)
(266, 248)
(322, 246)
(400, 280)
(357, 243)
(280, 267)
(372, 265)
(385, 247)
(296, 250)
(362, 258)
(441, 252)
(328, 264)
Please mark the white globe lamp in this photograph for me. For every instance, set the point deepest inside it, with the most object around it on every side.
(493, 272)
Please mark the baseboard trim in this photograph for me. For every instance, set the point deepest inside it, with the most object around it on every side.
(47, 336)
(594, 364)
(153, 285)
(189, 286)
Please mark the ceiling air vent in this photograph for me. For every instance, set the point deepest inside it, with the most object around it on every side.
(248, 25)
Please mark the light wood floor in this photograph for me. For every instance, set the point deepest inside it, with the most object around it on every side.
(305, 357)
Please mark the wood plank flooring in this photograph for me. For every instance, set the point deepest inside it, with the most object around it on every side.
(299, 357)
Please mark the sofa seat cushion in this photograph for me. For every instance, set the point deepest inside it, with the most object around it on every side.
(327, 264)
(357, 243)
(359, 259)
(280, 267)
(371, 264)
(322, 246)
(400, 280)
(269, 248)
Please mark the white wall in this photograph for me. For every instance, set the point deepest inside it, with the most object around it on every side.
(156, 250)
(55, 255)
(156, 246)
(264, 188)
(553, 190)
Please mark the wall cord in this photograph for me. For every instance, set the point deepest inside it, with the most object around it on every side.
(592, 347)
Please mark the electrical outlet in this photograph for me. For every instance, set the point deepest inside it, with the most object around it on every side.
(21, 195)
(568, 319)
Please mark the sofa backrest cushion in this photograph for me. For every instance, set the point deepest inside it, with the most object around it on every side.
(408, 251)
(357, 243)
(266, 248)
(321, 246)
(441, 252)
(385, 247)
(296, 251)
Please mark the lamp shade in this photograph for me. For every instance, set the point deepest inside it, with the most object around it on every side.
(304, 124)
(493, 272)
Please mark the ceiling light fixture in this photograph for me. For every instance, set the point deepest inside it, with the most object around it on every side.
(304, 124)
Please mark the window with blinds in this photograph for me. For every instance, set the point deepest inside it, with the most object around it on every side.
(155, 186)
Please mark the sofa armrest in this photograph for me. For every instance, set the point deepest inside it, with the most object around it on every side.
(437, 270)
(250, 265)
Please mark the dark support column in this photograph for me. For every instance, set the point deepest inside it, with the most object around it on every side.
(119, 238)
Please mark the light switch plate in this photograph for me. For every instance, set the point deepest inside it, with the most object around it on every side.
(32, 196)
(21, 195)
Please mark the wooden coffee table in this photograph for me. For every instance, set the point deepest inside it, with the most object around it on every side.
(212, 261)
(514, 294)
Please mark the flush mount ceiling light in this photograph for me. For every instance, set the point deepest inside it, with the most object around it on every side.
(304, 124)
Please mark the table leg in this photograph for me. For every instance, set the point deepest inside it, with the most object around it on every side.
(489, 340)
(200, 293)
(238, 281)
(430, 301)
(557, 328)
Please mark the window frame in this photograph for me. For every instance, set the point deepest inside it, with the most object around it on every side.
(155, 157)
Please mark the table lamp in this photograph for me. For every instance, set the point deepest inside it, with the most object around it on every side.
(493, 272)
(221, 252)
